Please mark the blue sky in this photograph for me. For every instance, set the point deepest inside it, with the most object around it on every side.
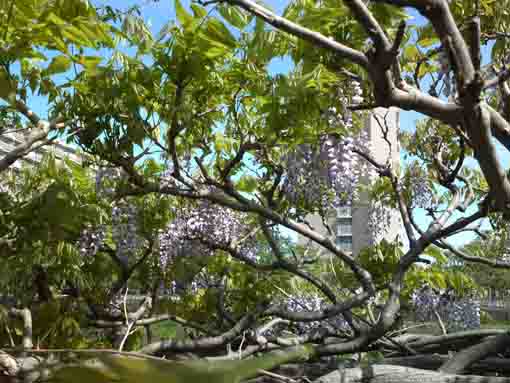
(159, 13)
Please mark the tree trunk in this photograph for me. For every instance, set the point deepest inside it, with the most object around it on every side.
(397, 374)
(20, 369)
(434, 361)
(467, 357)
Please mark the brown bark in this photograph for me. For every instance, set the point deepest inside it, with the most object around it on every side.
(465, 358)
(200, 344)
(398, 374)
(435, 361)
(472, 336)
(19, 369)
(26, 316)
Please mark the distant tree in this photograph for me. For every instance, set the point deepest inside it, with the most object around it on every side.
(493, 282)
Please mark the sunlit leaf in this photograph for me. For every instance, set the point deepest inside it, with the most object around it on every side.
(59, 64)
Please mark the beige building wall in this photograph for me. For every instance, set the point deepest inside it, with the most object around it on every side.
(10, 140)
(351, 224)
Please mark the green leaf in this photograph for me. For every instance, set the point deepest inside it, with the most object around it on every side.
(55, 19)
(234, 16)
(26, 8)
(59, 43)
(89, 62)
(97, 33)
(428, 41)
(59, 64)
(411, 52)
(7, 86)
(52, 167)
(217, 31)
(76, 36)
(439, 280)
(136, 133)
(221, 143)
(183, 17)
(437, 254)
(18, 331)
(214, 51)
(36, 56)
(247, 184)
(199, 12)
(498, 48)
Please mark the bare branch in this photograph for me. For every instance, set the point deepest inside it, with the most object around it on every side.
(470, 335)
(132, 318)
(486, 154)
(434, 361)
(437, 230)
(8, 365)
(385, 171)
(225, 173)
(399, 37)
(175, 128)
(500, 127)
(438, 13)
(203, 343)
(467, 357)
(496, 263)
(475, 42)
(37, 138)
(396, 374)
(26, 316)
(151, 321)
(501, 78)
(299, 31)
(374, 30)
(261, 330)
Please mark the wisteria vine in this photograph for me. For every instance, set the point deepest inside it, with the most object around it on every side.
(203, 228)
(91, 239)
(313, 302)
(457, 313)
(328, 175)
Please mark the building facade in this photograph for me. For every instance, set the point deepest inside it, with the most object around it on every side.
(351, 224)
(9, 141)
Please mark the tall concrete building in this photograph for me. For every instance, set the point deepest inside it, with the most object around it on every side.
(350, 224)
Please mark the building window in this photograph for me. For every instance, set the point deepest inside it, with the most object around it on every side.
(344, 212)
(344, 226)
(345, 244)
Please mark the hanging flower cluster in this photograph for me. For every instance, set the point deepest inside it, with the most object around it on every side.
(310, 303)
(345, 167)
(457, 313)
(332, 167)
(306, 178)
(379, 219)
(106, 177)
(330, 174)
(91, 239)
(202, 229)
(422, 193)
